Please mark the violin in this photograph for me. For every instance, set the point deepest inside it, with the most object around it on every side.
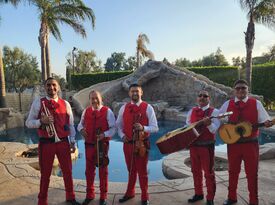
(101, 147)
(140, 148)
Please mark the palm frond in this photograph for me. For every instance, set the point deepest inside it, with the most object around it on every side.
(76, 25)
(55, 30)
(264, 13)
(150, 55)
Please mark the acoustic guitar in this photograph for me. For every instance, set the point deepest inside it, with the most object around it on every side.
(231, 133)
(183, 137)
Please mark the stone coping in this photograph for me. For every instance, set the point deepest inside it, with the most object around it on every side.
(174, 166)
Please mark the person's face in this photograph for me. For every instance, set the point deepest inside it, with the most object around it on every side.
(135, 93)
(203, 98)
(52, 88)
(95, 100)
(241, 91)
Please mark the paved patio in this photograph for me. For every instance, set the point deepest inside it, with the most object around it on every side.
(19, 184)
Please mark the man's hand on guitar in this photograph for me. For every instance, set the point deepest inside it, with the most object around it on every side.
(268, 123)
(206, 121)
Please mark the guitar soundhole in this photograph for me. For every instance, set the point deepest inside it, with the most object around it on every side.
(240, 130)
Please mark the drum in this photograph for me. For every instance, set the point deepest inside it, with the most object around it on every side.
(178, 139)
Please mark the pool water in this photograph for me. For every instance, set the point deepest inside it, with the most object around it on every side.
(117, 167)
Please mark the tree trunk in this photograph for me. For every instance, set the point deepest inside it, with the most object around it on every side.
(43, 64)
(138, 59)
(2, 83)
(48, 63)
(42, 41)
(20, 100)
(249, 42)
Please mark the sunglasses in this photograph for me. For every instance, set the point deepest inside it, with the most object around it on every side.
(241, 88)
(203, 95)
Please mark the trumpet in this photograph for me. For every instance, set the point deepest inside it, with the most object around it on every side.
(50, 128)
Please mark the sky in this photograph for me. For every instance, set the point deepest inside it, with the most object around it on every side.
(176, 29)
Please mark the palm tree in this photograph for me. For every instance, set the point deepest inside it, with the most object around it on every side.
(259, 11)
(51, 13)
(3, 85)
(142, 51)
(2, 74)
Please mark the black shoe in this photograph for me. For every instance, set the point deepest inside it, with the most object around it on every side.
(72, 202)
(195, 198)
(102, 202)
(209, 202)
(125, 198)
(146, 202)
(87, 201)
(229, 202)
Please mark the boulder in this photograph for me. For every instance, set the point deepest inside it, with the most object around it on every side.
(160, 82)
(267, 151)
(9, 119)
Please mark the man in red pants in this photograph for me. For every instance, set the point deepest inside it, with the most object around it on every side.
(97, 125)
(246, 149)
(202, 150)
(54, 119)
(135, 117)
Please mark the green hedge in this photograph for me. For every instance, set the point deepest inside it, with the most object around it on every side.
(225, 75)
(263, 80)
(81, 81)
(263, 76)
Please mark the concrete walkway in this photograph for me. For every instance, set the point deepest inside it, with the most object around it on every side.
(19, 184)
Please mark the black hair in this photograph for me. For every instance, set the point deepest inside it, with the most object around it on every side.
(240, 81)
(134, 85)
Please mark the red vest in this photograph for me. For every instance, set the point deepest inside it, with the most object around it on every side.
(244, 112)
(61, 117)
(134, 114)
(196, 115)
(94, 120)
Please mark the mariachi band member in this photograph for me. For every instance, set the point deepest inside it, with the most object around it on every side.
(136, 120)
(53, 118)
(202, 150)
(97, 125)
(247, 149)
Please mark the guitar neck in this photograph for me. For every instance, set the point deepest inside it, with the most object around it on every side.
(222, 115)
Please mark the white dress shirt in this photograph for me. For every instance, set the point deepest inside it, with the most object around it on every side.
(215, 122)
(33, 121)
(150, 113)
(262, 114)
(111, 122)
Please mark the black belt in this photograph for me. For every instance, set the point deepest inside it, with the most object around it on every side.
(51, 139)
(247, 140)
(204, 143)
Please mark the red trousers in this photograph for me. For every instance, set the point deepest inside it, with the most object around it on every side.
(202, 158)
(90, 153)
(249, 153)
(136, 165)
(47, 151)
